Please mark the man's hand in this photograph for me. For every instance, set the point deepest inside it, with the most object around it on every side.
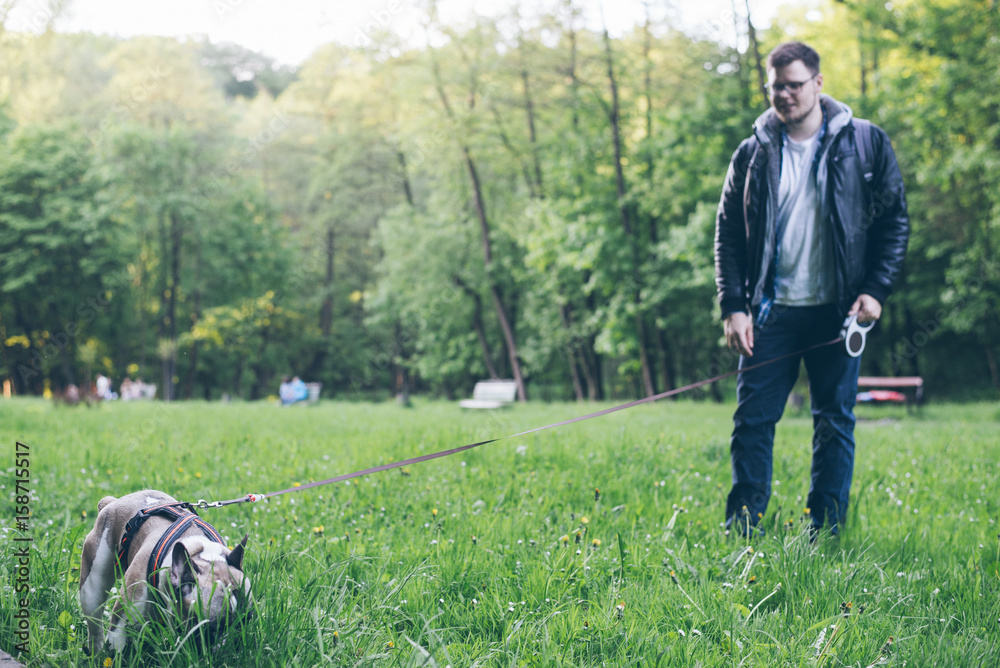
(739, 333)
(867, 309)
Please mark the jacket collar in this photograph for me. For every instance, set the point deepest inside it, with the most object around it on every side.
(768, 126)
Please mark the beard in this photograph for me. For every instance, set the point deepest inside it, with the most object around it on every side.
(794, 111)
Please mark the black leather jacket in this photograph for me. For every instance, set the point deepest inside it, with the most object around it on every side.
(870, 223)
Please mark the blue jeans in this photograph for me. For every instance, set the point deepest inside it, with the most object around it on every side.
(762, 394)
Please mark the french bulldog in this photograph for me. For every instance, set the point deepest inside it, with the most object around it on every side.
(174, 564)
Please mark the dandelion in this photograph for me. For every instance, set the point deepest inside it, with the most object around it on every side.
(434, 512)
(596, 542)
(597, 494)
(196, 475)
(318, 530)
(108, 662)
(673, 576)
(475, 540)
(753, 579)
(584, 520)
(845, 608)
(620, 610)
(404, 472)
(806, 512)
(390, 645)
(336, 637)
(579, 536)
(565, 540)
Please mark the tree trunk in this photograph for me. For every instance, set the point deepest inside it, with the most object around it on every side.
(477, 324)
(529, 106)
(667, 355)
(170, 358)
(326, 309)
(991, 364)
(567, 322)
(407, 190)
(626, 219)
(761, 77)
(484, 227)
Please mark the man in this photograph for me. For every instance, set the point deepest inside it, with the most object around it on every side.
(812, 227)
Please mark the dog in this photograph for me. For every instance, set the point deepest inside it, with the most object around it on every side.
(174, 564)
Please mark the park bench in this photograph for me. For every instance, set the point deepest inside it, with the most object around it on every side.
(491, 394)
(907, 390)
(313, 393)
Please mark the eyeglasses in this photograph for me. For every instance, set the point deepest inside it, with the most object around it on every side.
(792, 87)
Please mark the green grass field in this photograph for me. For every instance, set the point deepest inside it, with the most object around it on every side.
(501, 556)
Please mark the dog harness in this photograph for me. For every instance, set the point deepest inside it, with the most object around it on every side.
(182, 516)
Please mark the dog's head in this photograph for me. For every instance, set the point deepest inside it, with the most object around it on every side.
(209, 585)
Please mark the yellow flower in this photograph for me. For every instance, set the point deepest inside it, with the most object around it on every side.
(108, 662)
(336, 637)
(805, 511)
(596, 542)
(564, 539)
(390, 645)
(434, 512)
(584, 520)
(318, 530)
(198, 474)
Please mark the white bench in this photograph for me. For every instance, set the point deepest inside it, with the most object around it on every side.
(313, 393)
(491, 394)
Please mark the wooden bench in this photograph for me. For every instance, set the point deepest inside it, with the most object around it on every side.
(491, 394)
(897, 387)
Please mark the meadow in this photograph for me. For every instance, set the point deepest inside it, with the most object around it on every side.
(594, 544)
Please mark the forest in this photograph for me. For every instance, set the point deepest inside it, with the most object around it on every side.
(519, 197)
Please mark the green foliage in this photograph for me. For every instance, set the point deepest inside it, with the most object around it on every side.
(402, 204)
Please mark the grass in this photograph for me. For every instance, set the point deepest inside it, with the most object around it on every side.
(501, 556)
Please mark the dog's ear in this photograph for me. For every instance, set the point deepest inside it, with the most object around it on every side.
(235, 558)
(182, 568)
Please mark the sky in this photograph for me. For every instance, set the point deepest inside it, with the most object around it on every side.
(290, 30)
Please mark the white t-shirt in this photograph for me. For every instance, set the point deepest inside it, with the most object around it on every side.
(805, 275)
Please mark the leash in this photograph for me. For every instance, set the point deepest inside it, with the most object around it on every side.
(852, 351)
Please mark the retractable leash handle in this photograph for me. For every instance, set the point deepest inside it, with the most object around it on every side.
(855, 335)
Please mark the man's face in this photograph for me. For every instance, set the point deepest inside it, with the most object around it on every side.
(794, 91)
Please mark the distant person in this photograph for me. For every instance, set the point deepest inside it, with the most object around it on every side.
(299, 390)
(285, 391)
(129, 390)
(104, 392)
(812, 227)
